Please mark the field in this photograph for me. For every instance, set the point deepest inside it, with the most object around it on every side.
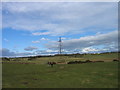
(37, 74)
(107, 57)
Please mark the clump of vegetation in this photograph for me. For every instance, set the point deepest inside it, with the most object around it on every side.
(5, 59)
(116, 60)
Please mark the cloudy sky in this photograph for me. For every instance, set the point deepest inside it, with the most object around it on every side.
(33, 28)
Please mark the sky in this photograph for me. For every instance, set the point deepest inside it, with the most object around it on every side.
(33, 28)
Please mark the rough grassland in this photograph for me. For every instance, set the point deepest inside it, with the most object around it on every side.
(88, 75)
(108, 57)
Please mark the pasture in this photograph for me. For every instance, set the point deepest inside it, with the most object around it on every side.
(37, 74)
(107, 57)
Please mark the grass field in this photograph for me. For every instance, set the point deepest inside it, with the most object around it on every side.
(43, 60)
(89, 75)
(37, 74)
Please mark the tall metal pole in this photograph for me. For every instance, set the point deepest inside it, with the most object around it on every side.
(60, 45)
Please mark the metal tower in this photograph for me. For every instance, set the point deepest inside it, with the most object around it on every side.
(60, 45)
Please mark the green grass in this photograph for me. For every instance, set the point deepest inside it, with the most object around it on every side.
(43, 60)
(104, 57)
(89, 75)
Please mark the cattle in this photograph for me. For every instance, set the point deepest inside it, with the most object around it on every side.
(51, 63)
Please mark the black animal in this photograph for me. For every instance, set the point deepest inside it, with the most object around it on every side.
(51, 63)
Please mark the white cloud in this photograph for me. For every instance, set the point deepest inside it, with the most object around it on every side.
(108, 40)
(89, 49)
(51, 50)
(46, 52)
(60, 18)
(63, 38)
(60, 1)
(65, 19)
(43, 33)
(6, 52)
(5, 39)
(89, 44)
(44, 38)
(35, 41)
(30, 48)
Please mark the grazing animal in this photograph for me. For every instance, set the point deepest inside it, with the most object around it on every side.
(51, 63)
